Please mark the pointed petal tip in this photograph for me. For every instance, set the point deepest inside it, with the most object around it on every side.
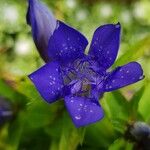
(118, 25)
(142, 77)
(30, 76)
(123, 76)
(139, 65)
(66, 44)
(105, 44)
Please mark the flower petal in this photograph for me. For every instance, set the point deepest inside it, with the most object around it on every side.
(48, 81)
(43, 25)
(123, 76)
(83, 110)
(105, 44)
(66, 44)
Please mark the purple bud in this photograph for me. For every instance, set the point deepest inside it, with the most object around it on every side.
(43, 24)
(140, 130)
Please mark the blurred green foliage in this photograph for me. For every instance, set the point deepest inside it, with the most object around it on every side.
(36, 125)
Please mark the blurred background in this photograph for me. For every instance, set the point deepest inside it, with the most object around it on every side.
(28, 123)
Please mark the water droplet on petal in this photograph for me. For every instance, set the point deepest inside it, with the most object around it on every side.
(78, 117)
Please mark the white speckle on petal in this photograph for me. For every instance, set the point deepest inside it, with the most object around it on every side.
(71, 101)
(95, 43)
(107, 52)
(31, 78)
(94, 104)
(78, 117)
(79, 109)
(113, 81)
(127, 71)
(110, 86)
(85, 106)
(141, 77)
(63, 44)
(91, 111)
(122, 77)
(100, 47)
(81, 104)
(117, 25)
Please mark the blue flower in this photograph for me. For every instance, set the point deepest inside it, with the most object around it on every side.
(71, 74)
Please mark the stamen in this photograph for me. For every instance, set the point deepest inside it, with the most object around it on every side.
(86, 73)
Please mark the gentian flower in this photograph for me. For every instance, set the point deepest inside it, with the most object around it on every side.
(71, 74)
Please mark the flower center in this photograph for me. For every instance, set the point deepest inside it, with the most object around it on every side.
(83, 75)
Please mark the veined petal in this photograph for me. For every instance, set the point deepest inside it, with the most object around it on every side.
(43, 25)
(48, 81)
(83, 110)
(123, 76)
(66, 44)
(105, 44)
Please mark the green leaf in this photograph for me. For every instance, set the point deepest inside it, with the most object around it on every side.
(26, 88)
(71, 136)
(19, 100)
(144, 103)
(3, 136)
(34, 139)
(15, 131)
(100, 135)
(134, 52)
(40, 114)
(54, 145)
(6, 91)
(134, 104)
(121, 144)
(117, 110)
